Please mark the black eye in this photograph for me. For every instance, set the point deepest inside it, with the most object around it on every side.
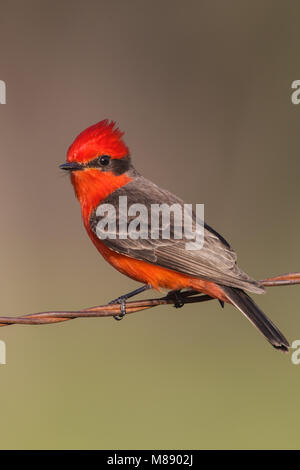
(104, 160)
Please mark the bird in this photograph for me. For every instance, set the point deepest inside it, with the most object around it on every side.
(101, 171)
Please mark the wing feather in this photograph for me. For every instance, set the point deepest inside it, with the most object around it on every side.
(215, 261)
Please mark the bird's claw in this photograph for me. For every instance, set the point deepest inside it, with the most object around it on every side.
(178, 300)
(178, 303)
(122, 302)
(123, 298)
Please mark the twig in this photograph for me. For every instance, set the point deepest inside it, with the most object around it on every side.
(190, 296)
(282, 280)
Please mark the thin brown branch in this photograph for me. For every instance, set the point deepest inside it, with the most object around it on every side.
(282, 280)
(191, 296)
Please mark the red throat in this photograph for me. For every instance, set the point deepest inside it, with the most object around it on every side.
(92, 187)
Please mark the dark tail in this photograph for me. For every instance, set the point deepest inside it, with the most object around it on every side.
(245, 304)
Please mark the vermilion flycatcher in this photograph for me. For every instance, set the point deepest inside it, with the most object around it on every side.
(101, 170)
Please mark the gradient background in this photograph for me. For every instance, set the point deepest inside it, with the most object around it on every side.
(202, 89)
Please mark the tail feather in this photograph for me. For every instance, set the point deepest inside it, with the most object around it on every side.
(247, 306)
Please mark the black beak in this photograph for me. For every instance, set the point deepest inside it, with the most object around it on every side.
(71, 166)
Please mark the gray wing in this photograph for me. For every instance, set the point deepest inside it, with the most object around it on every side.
(215, 261)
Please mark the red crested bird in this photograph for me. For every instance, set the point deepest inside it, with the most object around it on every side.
(101, 171)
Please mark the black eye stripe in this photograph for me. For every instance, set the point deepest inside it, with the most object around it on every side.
(121, 165)
(104, 162)
(98, 162)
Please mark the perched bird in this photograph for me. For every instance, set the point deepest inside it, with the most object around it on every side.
(101, 171)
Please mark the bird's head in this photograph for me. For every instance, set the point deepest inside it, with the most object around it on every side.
(99, 162)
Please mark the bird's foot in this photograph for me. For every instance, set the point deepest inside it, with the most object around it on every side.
(122, 301)
(177, 298)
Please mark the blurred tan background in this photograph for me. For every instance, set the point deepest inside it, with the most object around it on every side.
(202, 89)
